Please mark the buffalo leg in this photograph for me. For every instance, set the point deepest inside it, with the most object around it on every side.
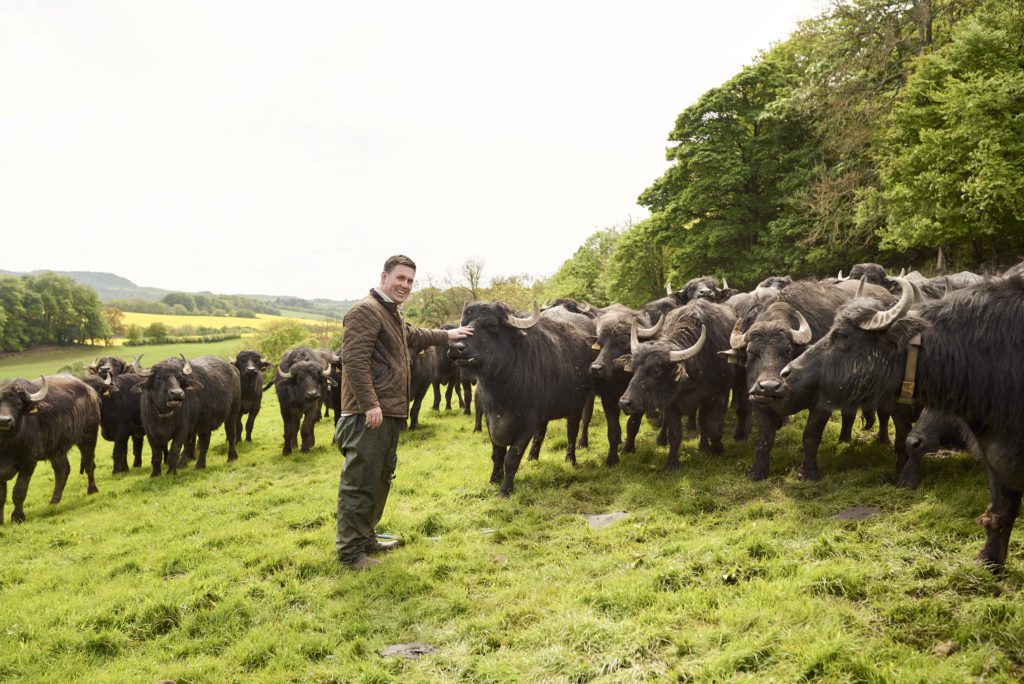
(453, 387)
(250, 421)
(21, 490)
(308, 436)
(467, 392)
(610, 404)
(137, 449)
(883, 428)
(846, 426)
(632, 428)
(691, 421)
(87, 450)
(203, 447)
(291, 426)
(120, 454)
(512, 458)
(157, 456)
(998, 521)
(3, 499)
(741, 405)
(498, 463)
(572, 428)
(478, 419)
(176, 453)
(414, 412)
(768, 423)
(711, 418)
(61, 470)
(588, 413)
(909, 469)
(538, 440)
(672, 424)
(816, 421)
(437, 397)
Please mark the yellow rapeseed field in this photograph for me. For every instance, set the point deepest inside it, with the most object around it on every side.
(261, 321)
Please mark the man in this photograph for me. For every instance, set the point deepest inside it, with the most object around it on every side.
(374, 405)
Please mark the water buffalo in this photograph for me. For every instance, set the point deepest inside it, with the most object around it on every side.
(935, 430)
(120, 415)
(970, 364)
(250, 365)
(302, 377)
(447, 374)
(186, 401)
(529, 371)
(768, 339)
(42, 422)
(681, 372)
(422, 371)
(109, 365)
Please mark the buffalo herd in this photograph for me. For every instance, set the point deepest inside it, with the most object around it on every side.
(939, 358)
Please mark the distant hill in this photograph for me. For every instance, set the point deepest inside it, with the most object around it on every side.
(109, 287)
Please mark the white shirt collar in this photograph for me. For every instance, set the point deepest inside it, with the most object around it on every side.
(383, 296)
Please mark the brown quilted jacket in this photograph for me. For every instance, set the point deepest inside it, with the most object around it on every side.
(375, 357)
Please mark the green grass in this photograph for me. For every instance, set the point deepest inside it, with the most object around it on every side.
(33, 364)
(230, 574)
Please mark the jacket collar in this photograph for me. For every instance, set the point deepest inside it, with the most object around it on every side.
(387, 303)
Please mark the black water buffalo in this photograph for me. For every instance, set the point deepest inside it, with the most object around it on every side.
(529, 371)
(767, 340)
(250, 365)
(775, 283)
(610, 377)
(109, 365)
(873, 274)
(1014, 271)
(422, 371)
(936, 430)
(120, 416)
(970, 364)
(681, 372)
(186, 401)
(302, 377)
(447, 374)
(42, 421)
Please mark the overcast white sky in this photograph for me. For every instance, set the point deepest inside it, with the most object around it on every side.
(288, 148)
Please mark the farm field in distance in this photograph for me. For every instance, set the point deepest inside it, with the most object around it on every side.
(230, 575)
(261, 321)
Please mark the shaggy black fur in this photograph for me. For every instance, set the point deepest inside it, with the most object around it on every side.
(120, 416)
(179, 408)
(300, 396)
(701, 383)
(526, 378)
(250, 365)
(423, 363)
(30, 431)
(448, 374)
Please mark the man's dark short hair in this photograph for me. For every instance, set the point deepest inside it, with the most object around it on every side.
(398, 260)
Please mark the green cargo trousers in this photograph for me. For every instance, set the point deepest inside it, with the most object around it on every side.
(370, 460)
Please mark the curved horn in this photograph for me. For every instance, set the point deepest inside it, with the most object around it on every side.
(883, 319)
(947, 284)
(108, 379)
(918, 297)
(725, 283)
(283, 375)
(684, 354)
(137, 367)
(738, 339)
(860, 287)
(335, 358)
(668, 287)
(583, 307)
(801, 335)
(95, 364)
(41, 394)
(525, 323)
(326, 372)
(233, 359)
(634, 341)
(903, 272)
(648, 333)
(840, 276)
(187, 370)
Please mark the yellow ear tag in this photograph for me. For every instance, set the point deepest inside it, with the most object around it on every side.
(596, 346)
(34, 409)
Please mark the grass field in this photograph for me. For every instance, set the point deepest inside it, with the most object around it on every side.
(33, 364)
(261, 321)
(230, 575)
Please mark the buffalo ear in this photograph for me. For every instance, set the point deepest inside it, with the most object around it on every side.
(140, 388)
(331, 382)
(264, 365)
(903, 330)
(679, 374)
(192, 384)
(39, 406)
(734, 356)
(111, 388)
(625, 362)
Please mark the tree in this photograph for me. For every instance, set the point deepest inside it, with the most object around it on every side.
(639, 267)
(134, 336)
(183, 299)
(157, 333)
(582, 275)
(473, 272)
(115, 319)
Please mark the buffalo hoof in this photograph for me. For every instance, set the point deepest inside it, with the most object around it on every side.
(55, 499)
(533, 456)
(18, 517)
(92, 489)
(570, 458)
(155, 473)
(505, 493)
(629, 448)
(805, 475)
(908, 481)
(233, 457)
(671, 466)
(661, 441)
(758, 474)
(200, 465)
(741, 435)
(496, 478)
(993, 563)
(248, 438)
(584, 443)
(612, 460)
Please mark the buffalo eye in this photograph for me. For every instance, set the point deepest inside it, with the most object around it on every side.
(656, 371)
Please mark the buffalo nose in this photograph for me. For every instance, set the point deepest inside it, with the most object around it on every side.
(625, 404)
(177, 393)
(769, 385)
(312, 394)
(596, 367)
(914, 442)
(785, 372)
(457, 347)
(6, 421)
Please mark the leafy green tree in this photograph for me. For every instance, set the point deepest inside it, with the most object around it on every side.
(157, 333)
(582, 275)
(274, 340)
(183, 299)
(639, 267)
(15, 334)
(134, 335)
(953, 163)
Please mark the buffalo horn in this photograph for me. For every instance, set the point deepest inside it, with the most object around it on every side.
(94, 366)
(725, 283)
(283, 375)
(326, 372)
(187, 370)
(335, 358)
(918, 297)
(41, 394)
(860, 287)
(737, 340)
(948, 285)
(108, 379)
(583, 307)
(840, 276)
(525, 323)
(634, 341)
(668, 287)
(903, 272)
(139, 370)
(801, 335)
(684, 354)
(648, 333)
(883, 319)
